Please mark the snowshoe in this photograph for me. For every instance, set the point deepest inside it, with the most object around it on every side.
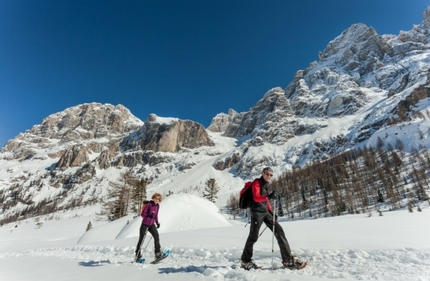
(161, 256)
(294, 263)
(248, 265)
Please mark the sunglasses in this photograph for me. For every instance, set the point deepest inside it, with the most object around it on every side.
(157, 198)
(267, 174)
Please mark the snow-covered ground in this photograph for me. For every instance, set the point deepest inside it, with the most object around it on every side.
(395, 246)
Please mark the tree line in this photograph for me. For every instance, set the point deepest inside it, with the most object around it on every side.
(123, 197)
(362, 180)
(356, 181)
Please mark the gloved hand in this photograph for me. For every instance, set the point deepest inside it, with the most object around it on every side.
(158, 225)
(273, 195)
(151, 216)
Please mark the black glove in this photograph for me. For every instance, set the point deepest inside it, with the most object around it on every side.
(158, 225)
(273, 195)
(151, 216)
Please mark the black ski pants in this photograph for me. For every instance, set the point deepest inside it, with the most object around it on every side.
(257, 219)
(154, 232)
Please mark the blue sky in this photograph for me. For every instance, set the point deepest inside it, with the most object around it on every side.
(186, 59)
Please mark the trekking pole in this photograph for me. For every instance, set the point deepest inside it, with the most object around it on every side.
(249, 217)
(273, 232)
(143, 239)
(147, 243)
(262, 231)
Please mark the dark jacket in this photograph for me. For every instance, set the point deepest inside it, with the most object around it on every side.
(260, 191)
(150, 213)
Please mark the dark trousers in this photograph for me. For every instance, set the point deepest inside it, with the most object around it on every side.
(257, 220)
(154, 232)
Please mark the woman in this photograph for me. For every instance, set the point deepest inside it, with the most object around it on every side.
(150, 223)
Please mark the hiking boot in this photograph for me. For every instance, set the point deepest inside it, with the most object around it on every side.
(247, 265)
(294, 263)
(158, 255)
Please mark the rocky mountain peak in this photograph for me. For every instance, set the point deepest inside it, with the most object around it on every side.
(259, 120)
(85, 121)
(222, 121)
(151, 118)
(355, 40)
(93, 123)
(426, 18)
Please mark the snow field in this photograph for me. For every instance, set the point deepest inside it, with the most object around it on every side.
(216, 264)
(394, 246)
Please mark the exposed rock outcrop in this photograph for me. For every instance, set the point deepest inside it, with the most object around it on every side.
(222, 121)
(167, 135)
(73, 157)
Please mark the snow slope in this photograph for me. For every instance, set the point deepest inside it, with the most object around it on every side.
(179, 212)
(205, 244)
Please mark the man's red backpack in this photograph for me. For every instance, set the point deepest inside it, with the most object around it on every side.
(245, 196)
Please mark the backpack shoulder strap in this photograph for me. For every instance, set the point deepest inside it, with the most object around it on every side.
(145, 202)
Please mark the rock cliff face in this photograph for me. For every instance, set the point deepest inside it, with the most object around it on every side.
(73, 157)
(160, 134)
(268, 119)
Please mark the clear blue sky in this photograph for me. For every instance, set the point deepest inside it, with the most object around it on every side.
(187, 59)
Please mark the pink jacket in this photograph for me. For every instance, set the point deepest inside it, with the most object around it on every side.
(150, 213)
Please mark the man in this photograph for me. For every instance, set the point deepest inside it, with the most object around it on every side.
(261, 211)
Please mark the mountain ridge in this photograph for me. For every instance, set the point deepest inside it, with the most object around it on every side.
(364, 87)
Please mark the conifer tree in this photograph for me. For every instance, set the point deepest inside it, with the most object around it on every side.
(233, 204)
(211, 190)
(117, 202)
(400, 146)
(138, 194)
(89, 226)
(279, 208)
(379, 143)
(397, 162)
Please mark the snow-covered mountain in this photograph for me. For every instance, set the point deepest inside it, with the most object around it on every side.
(365, 87)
